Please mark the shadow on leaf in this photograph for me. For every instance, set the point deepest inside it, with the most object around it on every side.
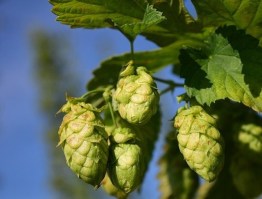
(250, 54)
(192, 69)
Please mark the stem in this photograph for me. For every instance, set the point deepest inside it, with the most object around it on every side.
(91, 92)
(112, 113)
(166, 90)
(171, 87)
(132, 49)
(99, 102)
(169, 82)
(107, 95)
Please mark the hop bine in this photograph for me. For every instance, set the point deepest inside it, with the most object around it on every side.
(200, 142)
(84, 142)
(136, 95)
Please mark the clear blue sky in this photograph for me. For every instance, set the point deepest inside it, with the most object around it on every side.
(24, 167)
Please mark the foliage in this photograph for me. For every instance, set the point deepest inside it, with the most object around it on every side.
(218, 54)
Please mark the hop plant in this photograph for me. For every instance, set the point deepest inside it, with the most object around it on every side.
(136, 95)
(126, 165)
(200, 142)
(247, 176)
(84, 142)
(249, 140)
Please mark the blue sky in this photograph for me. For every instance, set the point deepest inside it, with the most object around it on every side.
(24, 167)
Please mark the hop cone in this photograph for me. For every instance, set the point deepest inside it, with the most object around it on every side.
(112, 190)
(247, 176)
(136, 95)
(249, 140)
(126, 165)
(223, 187)
(84, 142)
(200, 142)
(176, 179)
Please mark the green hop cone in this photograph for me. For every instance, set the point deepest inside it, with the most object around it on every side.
(126, 165)
(200, 142)
(249, 140)
(136, 95)
(112, 190)
(247, 176)
(84, 142)
(176, 179)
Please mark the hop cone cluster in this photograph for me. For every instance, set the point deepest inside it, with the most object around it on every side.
(136, 95)
(200, 142)
(126, 165)
(84, 142)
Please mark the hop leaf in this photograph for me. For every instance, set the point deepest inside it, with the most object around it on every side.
(136, 95)
(126, 162)
(247, 176)
(200, 142)
(84, 142)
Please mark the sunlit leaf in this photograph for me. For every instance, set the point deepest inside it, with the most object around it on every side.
(131, 17)
(227, 69)
(245, 14)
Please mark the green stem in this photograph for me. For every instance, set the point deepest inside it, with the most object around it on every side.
(98, 102)
(171, 87)
(169, 82)
(107, 95)
(112, 113)
(132, 49)
(92, 92)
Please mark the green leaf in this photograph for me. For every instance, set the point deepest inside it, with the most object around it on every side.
(178, 22)
(131, 17)
(227, 69)
(160, 21)
(151, 17)
(245, 14)
(94, 13)
(154, 60)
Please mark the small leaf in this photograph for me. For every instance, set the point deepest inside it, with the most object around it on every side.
(151, 17)
(177, 22)
(227, 69)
